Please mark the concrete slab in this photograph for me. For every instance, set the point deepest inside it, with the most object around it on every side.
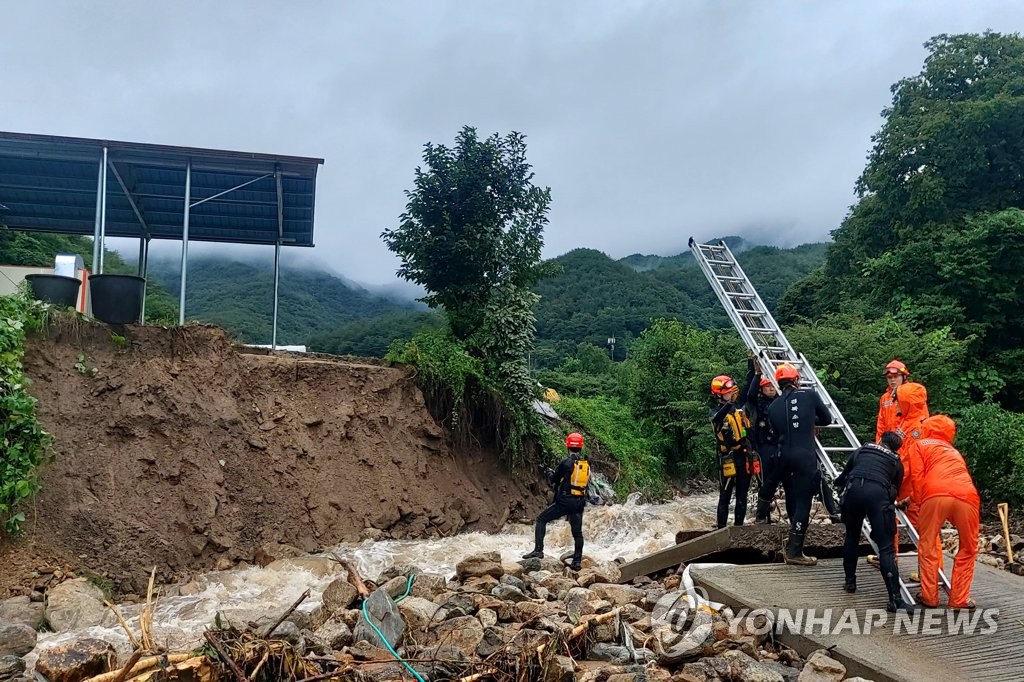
(884, 654)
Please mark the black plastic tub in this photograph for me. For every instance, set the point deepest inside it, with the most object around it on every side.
(55, 288)
(117, 299)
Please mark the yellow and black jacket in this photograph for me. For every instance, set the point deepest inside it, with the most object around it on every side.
(730, 425)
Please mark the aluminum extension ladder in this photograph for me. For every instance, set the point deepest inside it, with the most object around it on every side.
(763, 336)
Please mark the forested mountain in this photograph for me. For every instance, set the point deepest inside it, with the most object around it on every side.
(240, 297)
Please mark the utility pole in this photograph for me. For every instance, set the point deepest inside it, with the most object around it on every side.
(611, 346)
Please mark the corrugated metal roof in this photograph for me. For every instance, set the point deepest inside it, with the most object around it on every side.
(48, 184)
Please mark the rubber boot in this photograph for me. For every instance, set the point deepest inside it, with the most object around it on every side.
(795, 551)
(577, 555)
(896, 603)
(761, 513)
(850, 585)
(535, 554)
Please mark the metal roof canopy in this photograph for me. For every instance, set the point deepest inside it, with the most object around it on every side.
(57, 184)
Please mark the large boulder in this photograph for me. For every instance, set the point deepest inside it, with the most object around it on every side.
(21, 610)
(618, 595)
(333, 635)
(16, 639)
(429, 585)
(464, 633)
(487, 563)
(599, 572)
(76, 661)
(417, 612)
(338, 595)
(76, 604)
(732, 665)
(384, 613)
(820, 667)
(11, 667)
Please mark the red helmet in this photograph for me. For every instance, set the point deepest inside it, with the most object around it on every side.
(722, 385)
(765, 381)
(896, 367)
(574, 441)
(786, 372)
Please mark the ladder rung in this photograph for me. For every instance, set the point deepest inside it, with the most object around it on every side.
(838, 449)
(724, 278)
(720, 262)
(735, 295)
(762, 330)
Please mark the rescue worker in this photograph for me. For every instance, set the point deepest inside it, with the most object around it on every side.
(945, 492)
(730, 425)
(570, 480)
(869, 482)
(760, 393)
(794, 416)
(912, 410)
(895, 373)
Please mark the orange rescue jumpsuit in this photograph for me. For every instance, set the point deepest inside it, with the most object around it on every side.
(912, 410)
(888, 414)
(946, 493)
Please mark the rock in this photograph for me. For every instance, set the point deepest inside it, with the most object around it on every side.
(530, 565)
(273, 551)
(16, 639)
(436, 663)
(77, 660)
(464, 633)
(396, 587)
(458, 604)
(494, 640)
(819, 667)
(509, 593)
(417, 612)
(385, 615)
(612, 653)
(559, 669)
(76, 604)
(480, 584)
(788, 674)
(286, 631)
(338, 595)
(604, 632)
(488, 563)
(560, 585)
(21, 610)
(321, 567)
(514, 570)
(990, 560)
(632, 613)
(618, 595)
(333, 635)
(599, 572)
(674, 647)
(487, 617)
(429, 585)
(528, 610)
(514, 582)
(527, 640)
(11, 667)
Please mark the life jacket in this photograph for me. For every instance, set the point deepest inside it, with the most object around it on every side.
(579, 477)
(731, 430)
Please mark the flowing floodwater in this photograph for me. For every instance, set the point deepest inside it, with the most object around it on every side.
(625, 531)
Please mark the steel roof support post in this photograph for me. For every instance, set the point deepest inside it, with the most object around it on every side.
(277, 252)
(184, 242)
(99, 202)
(103, 210)
(143, 269)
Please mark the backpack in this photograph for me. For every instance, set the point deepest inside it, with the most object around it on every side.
(579, 477)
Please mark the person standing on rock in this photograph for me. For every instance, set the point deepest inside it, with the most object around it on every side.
(794, 415)
(570, 481)
(869, 483)
(734, 457)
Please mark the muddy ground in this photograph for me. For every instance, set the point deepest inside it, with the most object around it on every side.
(175, 449)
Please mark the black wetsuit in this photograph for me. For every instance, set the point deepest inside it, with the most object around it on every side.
(566, 504)
(729, 424)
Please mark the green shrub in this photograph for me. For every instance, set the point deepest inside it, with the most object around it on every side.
(24, 442)
(992, 441)
(635, 445)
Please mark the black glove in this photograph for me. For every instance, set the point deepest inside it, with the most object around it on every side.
(548, 472)
(594, 499)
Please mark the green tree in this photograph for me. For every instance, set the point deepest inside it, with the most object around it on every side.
(473, 225)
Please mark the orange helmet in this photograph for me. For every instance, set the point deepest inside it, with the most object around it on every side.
(896, 367)
(722, 385)
(786, 372)
(765, 381)
(574, 441)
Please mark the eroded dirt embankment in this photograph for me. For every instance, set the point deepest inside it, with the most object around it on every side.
(176, 450)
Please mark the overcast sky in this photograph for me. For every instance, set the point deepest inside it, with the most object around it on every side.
(650, 121)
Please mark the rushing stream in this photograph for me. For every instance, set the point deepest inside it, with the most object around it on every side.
(626, 531)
